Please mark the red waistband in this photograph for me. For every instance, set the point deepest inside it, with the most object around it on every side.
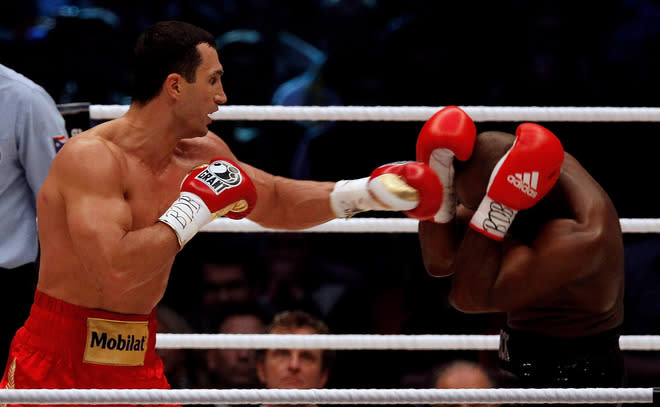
(60, 327)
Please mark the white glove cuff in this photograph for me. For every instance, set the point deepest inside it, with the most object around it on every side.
(441, 156)
(492, 219)
(447, 211)
(352, 196)
(442, 163)
(187, 215)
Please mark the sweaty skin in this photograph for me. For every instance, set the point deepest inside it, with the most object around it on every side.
(560, 269)
(102, 246)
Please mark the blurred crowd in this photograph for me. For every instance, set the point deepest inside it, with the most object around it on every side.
(370, 52)
(365, 52)
(357, 51)
(356, 284)
(352, 52)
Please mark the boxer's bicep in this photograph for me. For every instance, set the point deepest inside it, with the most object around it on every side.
(97, 214)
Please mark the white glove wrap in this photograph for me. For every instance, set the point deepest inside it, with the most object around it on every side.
(441, 162)
(376, 194)
(493, 218)
(349, 197)
(187, 215)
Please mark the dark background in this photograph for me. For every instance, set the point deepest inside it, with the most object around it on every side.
(370, 52)
(391, 53)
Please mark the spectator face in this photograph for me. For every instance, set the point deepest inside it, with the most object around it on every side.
(235, 368)
(292, 368)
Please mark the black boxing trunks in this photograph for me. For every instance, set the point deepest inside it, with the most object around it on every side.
(63, 346)
(541, 361)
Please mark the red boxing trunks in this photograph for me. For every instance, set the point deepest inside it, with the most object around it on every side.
(64, 346)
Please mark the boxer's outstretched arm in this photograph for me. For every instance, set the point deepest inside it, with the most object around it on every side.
(282, 203)
(500, 277)
(410, 187)
(286, 203)
(100, 222)
(290, 204)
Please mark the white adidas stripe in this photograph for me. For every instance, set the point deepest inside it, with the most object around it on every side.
(529, 178)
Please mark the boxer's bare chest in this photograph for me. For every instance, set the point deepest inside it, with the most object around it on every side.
(149, 193)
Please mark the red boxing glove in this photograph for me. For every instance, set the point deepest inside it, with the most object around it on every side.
(209, 191)
(411, 187)
(521, 178)
(420, 185)
(447, 134)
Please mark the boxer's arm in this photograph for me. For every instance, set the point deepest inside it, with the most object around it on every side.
(492, 277)
(438, 242)
(100, 220)
(284, 203)
(410, 187)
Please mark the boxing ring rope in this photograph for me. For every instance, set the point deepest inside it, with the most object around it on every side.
(386, 225)
(414, 113)
(361, 342)
(328, 396)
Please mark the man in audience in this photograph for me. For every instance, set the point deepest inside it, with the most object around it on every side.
(295, 368)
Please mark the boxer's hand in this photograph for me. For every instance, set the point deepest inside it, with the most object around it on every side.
(521, 178)
(411, 187)
(219, 188)
(447, 134)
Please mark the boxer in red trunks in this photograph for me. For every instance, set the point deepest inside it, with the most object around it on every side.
(113, 212)
(83, 345)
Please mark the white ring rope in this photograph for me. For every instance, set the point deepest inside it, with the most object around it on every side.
(360, 342)
(414, 113)
(326, 396)
(386, 225)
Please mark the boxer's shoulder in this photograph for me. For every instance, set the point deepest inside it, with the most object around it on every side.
(88, 159)
(203, 149)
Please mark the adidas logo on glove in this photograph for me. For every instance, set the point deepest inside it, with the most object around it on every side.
(527, 182)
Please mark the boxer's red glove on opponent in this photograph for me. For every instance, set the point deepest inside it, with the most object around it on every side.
(447, 134)
(521, 178)
(219, 188)
(411, 187)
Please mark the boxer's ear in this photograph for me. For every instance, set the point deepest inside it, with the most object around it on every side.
(173, 85)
